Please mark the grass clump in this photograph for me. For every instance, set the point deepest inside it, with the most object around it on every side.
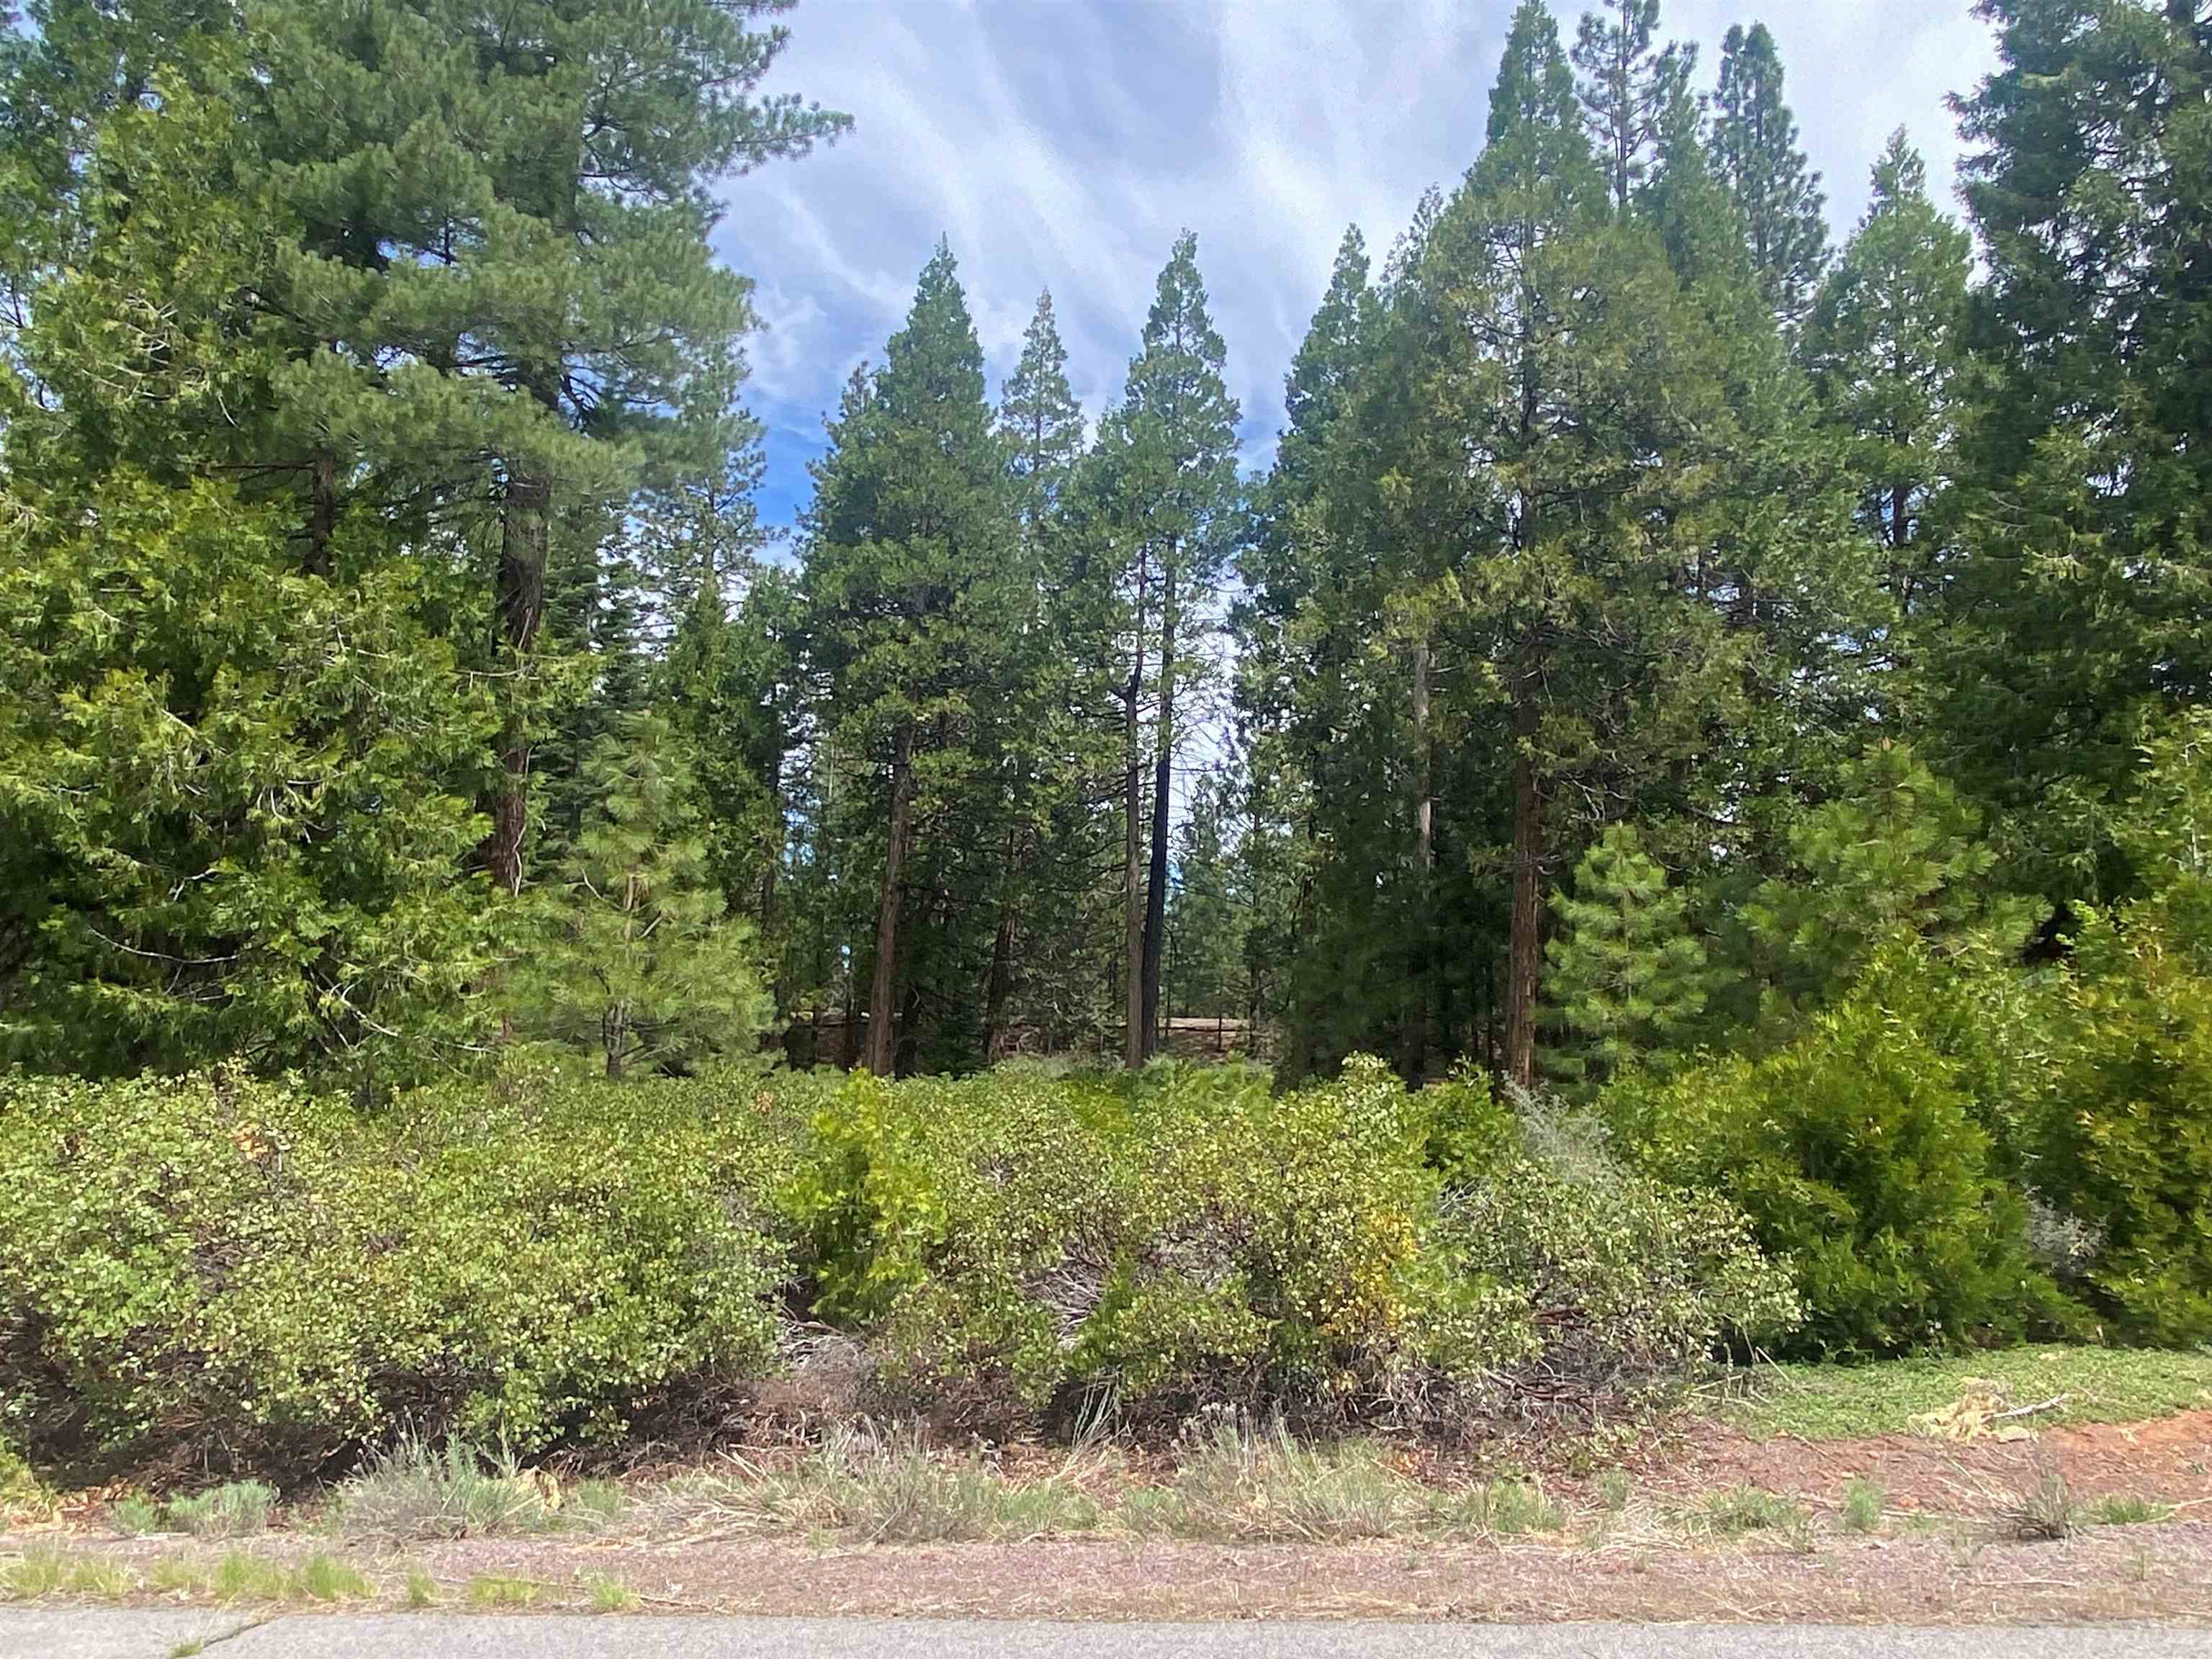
(420, 1589)
(610, 1594)
(2090, 1385)
(237, 1508)
(135, 1517)
(1239, 1481)
(1503, 1509)
(2126, 1509)
(890, 1487)
(498, 1590)
(416, 1490)
(1613, 1487)
(323, 1578)
(239, 1576)
(48, 1571)
(1863, 1504)
(2042, 1509)
(1747, 1508)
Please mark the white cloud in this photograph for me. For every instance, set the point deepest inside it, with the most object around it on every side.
(1065, 143)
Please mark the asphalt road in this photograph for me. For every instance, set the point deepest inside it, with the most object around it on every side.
(116, 1633)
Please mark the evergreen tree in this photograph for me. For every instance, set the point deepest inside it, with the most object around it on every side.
(636, 959)
(914, 601)
(2081, 578)
(1169, 450)
(1057, 719)
(504, 252)
(1627, 975)
(1629, 86)
(1755, 155)
(1886, 347)
(233, 792)
(1575, 411)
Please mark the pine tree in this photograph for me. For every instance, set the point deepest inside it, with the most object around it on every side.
(2085, 561)
(504, 251)
(1755, 155)
(233, 792)
(1627, 975)
(1887, 346)
(635, 959)
(1055, 718)
(1629, 86)
(1561, 353)
(915, 597)
(1169, 450)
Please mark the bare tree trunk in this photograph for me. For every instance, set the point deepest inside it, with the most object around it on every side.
(524, 528)
(1133, 891)
(1525, 959)
(880, 1053)
(1413, 1014)
(997, 981)
(1156, 888)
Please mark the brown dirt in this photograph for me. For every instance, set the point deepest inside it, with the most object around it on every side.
(2141, 1573)
(1653, 1562)
(2169, 1459)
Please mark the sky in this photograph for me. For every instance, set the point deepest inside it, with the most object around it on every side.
(1062, 144)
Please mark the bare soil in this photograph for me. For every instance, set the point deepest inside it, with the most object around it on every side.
(1944, 1554)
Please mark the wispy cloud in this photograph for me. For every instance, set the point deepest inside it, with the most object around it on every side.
(1063, 143)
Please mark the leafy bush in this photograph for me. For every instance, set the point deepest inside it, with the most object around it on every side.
(247, 1269)
(2127, 1154)
(1612, 1280)
(239, 1265)
(1858, 1151)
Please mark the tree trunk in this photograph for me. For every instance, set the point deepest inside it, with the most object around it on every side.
(1132, 891)
(322, 509)
(1413, 1012)
(1000, 979)
(1156, 887)
(614, 1029)
(880, 1053)
(524, 526)
(1525, 957)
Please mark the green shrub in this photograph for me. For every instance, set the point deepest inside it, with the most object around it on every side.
(2128, 1151)
(1597, 1277)
(237, 1263)
(1857, 1151)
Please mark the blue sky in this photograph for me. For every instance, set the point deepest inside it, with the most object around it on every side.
(1063, 143)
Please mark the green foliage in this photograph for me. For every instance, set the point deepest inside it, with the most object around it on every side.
(1856, 1149)
(1897, 850)
(1615, 1281)
(636, 958)
(1626, 975)
(532, 1263)
(1820, 1401)
(2127, 1147)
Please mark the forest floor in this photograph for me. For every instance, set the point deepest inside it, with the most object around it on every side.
(2044, 1486)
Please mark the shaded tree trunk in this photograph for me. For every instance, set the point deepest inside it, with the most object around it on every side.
(1156, 888)
(525, 516)
(1525, 954)
(322, 509)
(1413, 1014)
(997, 981)
(1133, 891)
(881, 1051)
